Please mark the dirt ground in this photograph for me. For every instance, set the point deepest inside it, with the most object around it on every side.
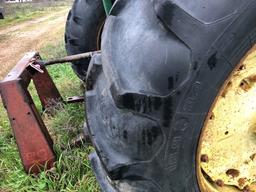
(18, 39)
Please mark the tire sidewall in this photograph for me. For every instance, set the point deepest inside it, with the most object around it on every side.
(198, 100)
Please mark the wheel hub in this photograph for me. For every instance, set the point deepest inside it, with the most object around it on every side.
(227, 149)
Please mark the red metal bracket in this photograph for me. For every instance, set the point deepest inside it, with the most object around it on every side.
(34, 142)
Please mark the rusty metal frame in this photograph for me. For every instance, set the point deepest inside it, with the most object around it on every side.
(34, 142)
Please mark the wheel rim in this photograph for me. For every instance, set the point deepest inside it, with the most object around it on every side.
(100, 30)
(226, 157)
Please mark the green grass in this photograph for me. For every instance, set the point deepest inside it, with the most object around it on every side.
(15, 13)
(72, 171)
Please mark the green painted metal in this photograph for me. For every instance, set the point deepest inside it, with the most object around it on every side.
(107, 5)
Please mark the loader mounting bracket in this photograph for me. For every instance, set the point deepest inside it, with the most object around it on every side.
(34, 142)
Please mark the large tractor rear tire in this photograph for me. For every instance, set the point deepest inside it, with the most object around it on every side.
(83, 31)
(167, 69)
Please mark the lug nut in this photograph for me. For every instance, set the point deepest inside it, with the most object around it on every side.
(220, 183)
(241, 182)
(204, 158)
(233, 172)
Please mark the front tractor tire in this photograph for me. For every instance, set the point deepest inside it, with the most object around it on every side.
(83, 31)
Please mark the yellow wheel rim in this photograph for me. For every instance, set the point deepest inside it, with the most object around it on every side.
(226, 158)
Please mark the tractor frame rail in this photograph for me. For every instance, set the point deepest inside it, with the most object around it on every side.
(32, 137)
